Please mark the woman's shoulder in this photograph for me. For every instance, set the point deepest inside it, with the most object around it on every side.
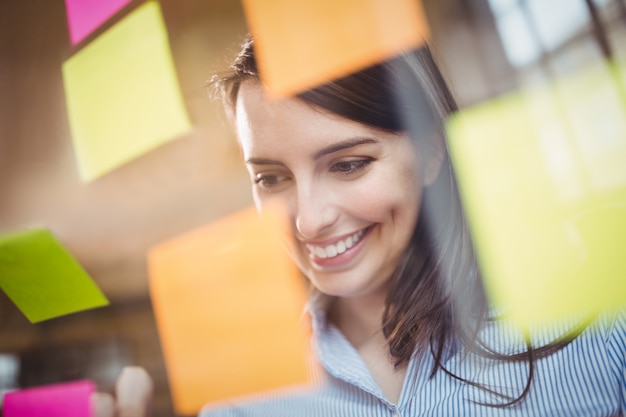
(270, 404)
(327, 397)
(583, 361)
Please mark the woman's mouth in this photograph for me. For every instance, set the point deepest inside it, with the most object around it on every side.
(331, 251)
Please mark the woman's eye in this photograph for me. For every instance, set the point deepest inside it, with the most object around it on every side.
(269, 181)
(349, 167)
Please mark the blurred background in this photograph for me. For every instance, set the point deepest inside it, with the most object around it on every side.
(486, 48)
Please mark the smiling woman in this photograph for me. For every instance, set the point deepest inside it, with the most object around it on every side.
(401, 322)
(351, 192)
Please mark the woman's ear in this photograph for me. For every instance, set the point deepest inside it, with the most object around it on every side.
(433, 160)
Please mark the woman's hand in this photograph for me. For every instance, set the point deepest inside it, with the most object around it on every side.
(133, 395)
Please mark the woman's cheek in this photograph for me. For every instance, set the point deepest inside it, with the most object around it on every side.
(376, 199)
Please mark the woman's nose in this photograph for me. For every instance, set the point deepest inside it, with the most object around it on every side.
(315, 211)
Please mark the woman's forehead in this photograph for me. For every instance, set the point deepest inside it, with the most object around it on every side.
(265, 124)
(253, 101)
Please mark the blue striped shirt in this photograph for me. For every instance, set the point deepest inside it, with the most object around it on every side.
(586, 378)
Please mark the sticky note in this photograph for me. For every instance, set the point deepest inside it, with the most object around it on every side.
(42, 278)
(59, 400)
(85, 16)
(228, 304)
(122, 94)
(301, 44)
(542, 175)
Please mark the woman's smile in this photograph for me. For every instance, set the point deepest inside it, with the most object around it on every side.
(339, 253)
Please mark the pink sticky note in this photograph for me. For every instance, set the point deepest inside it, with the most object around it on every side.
(60, 400)
(84, 16)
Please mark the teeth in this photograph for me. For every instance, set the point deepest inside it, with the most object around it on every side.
(331, 251)
(340, 247)
(320, 252)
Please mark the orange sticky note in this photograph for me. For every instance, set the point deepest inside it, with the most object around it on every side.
(301, 44)
(228, 303)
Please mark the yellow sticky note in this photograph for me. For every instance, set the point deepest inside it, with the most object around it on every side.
(122, 93)
(228, 303)
(301, 44)
(543, 180)
(42, 278)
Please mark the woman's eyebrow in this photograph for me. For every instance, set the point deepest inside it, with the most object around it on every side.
(343, 145)
(263, 161)
(350, 143)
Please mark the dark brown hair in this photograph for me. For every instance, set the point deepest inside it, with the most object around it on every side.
(436, 298)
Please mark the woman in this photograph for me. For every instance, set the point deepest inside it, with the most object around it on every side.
(401, 323)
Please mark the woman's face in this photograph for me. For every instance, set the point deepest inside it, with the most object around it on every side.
(352, 193)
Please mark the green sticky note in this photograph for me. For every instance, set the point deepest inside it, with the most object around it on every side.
(122, 94)
(542, 176)
(42, 278)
